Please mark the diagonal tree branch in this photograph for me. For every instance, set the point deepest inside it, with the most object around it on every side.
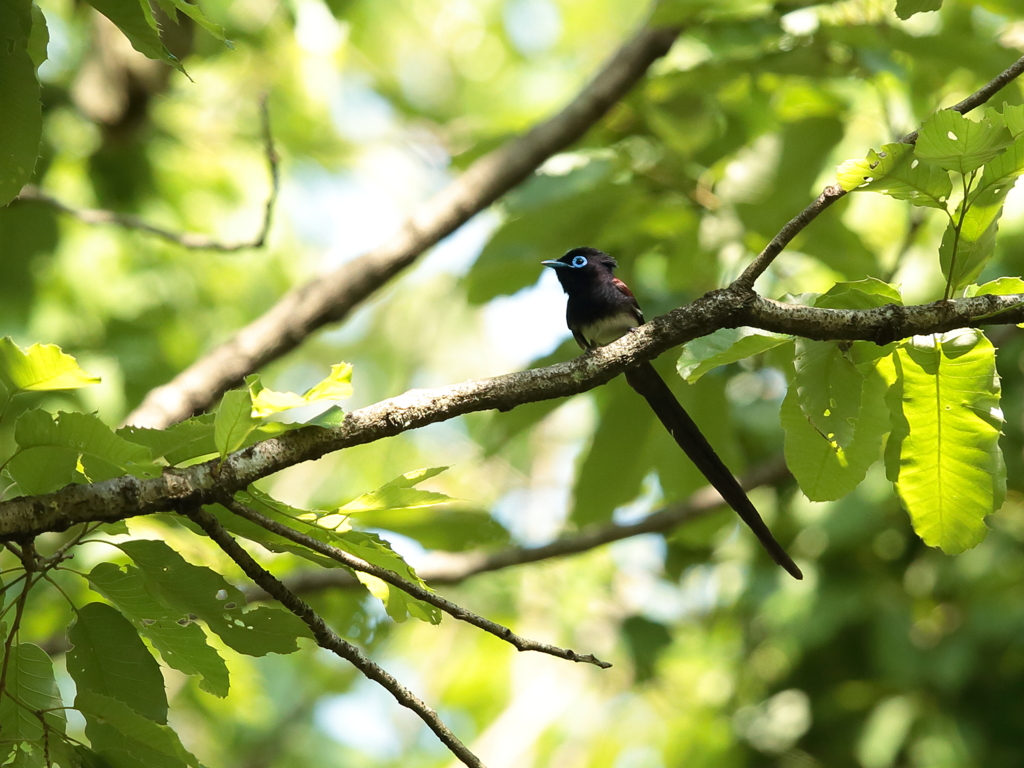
(392, 578)
(183, 489)
(190, 240)
(331, 297)
(328, 639)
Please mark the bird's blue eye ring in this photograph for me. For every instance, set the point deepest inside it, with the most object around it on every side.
(579, 261)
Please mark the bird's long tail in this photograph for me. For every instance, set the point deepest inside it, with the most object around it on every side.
(645, 380)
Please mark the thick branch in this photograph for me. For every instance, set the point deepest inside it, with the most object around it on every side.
(190, 240)
(420, 593)
(183, 489)
(326, 637)
(829, 195)
(331, 297)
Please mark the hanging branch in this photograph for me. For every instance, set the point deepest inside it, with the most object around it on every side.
(416, 591)
(326, 638)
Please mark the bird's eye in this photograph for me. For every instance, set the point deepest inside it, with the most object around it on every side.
(579, 261)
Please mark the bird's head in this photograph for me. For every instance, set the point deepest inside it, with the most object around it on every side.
(581, 265)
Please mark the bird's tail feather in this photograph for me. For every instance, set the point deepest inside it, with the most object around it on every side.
(646, 381)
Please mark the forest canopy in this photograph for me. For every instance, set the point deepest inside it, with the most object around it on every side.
(300, 465)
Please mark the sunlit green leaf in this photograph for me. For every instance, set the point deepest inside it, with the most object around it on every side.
(399, 493)
(126, 739)
(896, 172)
(197, 590)
(907, 8)
(1013, 116)
(943, 453)
(109, 658)
(194, 12)
(825, 470)
(234, 421)
(337, 386)
(41, 367)
(135, 19)
(178, 443)
(957, 143)
(30, 687)
(1003, 286)
(860, 294)
(39, 37)
(828, 388)
(43, 438)
(181, 642)
(21, 117)
(724, 346)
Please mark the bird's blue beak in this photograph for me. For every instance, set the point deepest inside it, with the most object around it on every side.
(554, 263)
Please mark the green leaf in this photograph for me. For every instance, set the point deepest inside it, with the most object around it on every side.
(1013, 116)
(828, 388)
(451, 530)
(966, 255)
(332, 417)
(860, 294)
(30, 687)
(943, 453)
(1003, 286)
(135, 19)
(825, 470)
(1002, 171)
(126, 739)
(337, 386)
(670, 13)
(109, 658)
(907, 8)
(40, 368)
(956, 143)
(724, 346)
(21, 119)
(178, 443)
(896, 172)
(234, 421)
(196, 590)
(399, 493)
(333, 528)
(196, 14)
(42, 469)
(57, 443)
(181, 643)
(39, 37)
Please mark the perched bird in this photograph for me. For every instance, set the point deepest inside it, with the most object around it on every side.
(600, 309)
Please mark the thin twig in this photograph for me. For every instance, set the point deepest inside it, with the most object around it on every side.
(326, 638)
(415, 590)
(189, 240)
(832, 193)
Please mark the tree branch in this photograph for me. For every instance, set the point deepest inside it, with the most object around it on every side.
(829, 195)
(329, 298)
(206, 483)
(190, 240)
(453, 568)
(392, 578)
(327, 638)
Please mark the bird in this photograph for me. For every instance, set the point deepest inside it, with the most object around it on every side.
(600, 309)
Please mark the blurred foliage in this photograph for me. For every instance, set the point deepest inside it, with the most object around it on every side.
(890, 653)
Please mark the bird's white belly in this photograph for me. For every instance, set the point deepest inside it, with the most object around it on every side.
(607, 330)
